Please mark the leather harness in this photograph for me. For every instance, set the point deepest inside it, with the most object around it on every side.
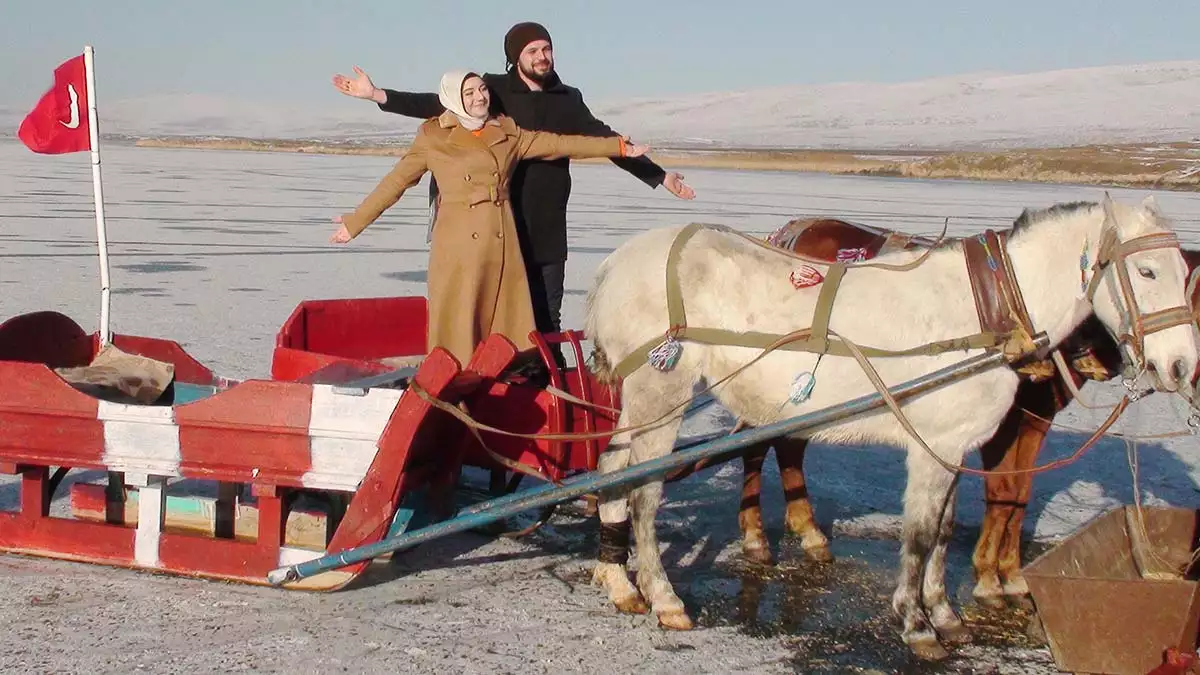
(998, 300)
(816, 339)
(1003, 318)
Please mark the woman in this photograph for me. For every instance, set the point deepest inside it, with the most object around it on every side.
(477, 283)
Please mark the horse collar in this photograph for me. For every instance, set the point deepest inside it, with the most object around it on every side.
(998, 300)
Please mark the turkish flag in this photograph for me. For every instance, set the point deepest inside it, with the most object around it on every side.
(59, 121)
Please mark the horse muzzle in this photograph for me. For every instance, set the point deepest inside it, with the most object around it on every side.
(1174, 374)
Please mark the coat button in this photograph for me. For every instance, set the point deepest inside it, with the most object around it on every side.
(499, 235)
(467, 177)
(474, 235)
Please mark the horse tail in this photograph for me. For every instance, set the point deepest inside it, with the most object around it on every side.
(601, 365)
(603, 368)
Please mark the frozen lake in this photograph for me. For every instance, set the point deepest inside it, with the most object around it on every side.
(214, 250)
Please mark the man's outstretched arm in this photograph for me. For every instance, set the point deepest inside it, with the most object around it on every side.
(410, 104)
(643, 168)
(419, 105)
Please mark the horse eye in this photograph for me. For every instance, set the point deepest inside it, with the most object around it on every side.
(1146, 272)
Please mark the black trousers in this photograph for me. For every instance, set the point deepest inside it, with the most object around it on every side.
(546, 291)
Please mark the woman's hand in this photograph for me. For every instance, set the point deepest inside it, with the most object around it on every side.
(634, 149)
(342, 235)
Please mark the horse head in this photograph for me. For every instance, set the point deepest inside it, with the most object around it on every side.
(1137, 290)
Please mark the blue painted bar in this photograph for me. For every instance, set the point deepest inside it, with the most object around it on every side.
(543, 495)
(190, 393)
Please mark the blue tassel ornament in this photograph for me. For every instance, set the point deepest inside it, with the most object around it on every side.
(802, 387)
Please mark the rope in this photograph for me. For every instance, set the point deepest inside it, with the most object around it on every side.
(1141, 545)
(1115, 434)
(670, 415)
(873, 375)
(1065, 374)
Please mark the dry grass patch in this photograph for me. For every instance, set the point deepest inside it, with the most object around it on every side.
(1161, 166)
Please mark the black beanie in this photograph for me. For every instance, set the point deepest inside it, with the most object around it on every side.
(521, 35)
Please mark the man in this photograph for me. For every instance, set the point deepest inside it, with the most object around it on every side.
(531, 93)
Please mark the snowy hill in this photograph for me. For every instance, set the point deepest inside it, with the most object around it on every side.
(1150, 102)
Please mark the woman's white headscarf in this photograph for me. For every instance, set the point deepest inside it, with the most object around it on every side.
(450, 94)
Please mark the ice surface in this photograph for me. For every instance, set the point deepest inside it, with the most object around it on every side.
(214, 249)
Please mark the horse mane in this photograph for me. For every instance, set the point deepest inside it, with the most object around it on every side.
(1023, 222)
(1030, 217)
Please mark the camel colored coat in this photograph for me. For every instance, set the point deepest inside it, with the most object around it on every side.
(477, 283)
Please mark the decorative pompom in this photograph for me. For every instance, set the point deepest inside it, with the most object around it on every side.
(805, 276)
(666, 355)
(851, 254)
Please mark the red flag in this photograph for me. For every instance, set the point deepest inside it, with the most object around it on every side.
(59, 121)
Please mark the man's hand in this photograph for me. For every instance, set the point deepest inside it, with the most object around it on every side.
(674, 183)
(360, 87)
(342, 235)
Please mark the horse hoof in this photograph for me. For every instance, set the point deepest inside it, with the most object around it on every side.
(991, 600)
(957, 634)
(820, 554)
(1021, 602)
(633, 604)
(676, 619)
(760, 556)
(928, 649)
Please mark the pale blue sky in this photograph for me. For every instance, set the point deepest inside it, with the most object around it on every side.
(286, 51)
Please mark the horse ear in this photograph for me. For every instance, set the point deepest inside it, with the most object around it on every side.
(1109, 213)
(1151, 205)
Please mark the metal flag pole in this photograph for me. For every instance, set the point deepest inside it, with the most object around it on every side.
(101, 235)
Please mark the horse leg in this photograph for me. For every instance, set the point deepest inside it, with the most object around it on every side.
(925, 496)
(997, 454)
(1033, 434)
(946, 622)
(755, 546)
(1015, 447)
(648, 395)
(789, 454)
(651, 577)
(610, 571)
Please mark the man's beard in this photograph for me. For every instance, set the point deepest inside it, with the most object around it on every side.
(536, 77)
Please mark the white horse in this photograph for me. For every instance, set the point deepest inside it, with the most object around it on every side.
(730, 283)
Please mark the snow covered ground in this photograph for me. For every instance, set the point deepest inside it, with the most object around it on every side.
(214, 249)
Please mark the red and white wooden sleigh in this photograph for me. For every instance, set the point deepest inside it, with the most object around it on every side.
(361, 450)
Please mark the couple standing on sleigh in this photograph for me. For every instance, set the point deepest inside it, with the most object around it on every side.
(498, 146)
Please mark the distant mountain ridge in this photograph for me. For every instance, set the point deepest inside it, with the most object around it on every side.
(1149, 102)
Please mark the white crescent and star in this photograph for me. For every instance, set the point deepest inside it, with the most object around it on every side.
(74, 122)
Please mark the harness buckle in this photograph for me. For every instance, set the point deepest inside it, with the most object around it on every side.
(1130, 384)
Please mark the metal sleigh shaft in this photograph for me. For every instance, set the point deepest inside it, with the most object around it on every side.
(496, 509)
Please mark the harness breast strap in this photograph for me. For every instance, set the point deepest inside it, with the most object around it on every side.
(676, 315)
(820, 325)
